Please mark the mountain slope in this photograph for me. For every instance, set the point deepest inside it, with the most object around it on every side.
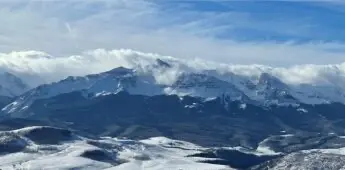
(11, 86)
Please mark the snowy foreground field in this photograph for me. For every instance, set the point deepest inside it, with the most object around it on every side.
(52, 148)
(49, 148)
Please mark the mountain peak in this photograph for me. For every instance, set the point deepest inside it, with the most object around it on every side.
(120, 71)
(271, 81)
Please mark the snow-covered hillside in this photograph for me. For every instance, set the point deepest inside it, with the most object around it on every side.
(308, 160)
(38, 147)
(54, 148)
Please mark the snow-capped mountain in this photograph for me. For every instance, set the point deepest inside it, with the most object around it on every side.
(109, 82)
(11, 86)
(151, 80)
(203, 85)
(273, 91)
(311, 84)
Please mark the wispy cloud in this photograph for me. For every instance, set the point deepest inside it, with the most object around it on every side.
(64, 28)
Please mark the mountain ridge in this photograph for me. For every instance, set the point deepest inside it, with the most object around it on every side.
(265, 90)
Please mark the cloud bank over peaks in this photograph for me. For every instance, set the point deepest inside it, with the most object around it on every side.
(36, 67)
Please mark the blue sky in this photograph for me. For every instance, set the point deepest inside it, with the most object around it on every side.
(298, 21)
(241, 32)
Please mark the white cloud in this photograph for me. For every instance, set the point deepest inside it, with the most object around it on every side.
(37, 67)
(64, 28)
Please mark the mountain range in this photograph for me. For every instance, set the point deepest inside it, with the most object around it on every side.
(266, 89)
(262, 121)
